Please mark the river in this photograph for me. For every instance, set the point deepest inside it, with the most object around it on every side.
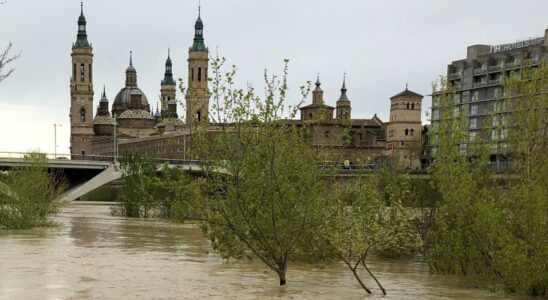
(93, 255)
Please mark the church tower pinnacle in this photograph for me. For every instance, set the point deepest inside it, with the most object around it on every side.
(81, 91)
(197, 96)
(343, 104)
(167, 87)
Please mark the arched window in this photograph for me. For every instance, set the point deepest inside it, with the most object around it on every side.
(73, 71)
(198, 116)
(90, 74)
(83, 115)
(406, 131)
(82, 72)
(199, 74)
(412, 105)
(205, 73)
(407, 105)
(412, 131)
(192, 74)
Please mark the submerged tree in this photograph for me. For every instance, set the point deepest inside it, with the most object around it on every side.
(28, 194)
(488, 233)
(367, 217)
(263, 184)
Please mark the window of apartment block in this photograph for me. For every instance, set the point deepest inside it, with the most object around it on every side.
(435, 114)
(473, 123)
(474, 109)
(494, 135)
(495, 121)
(456, 98)
(456, 111)
(499, 91)
(475, 95)
(462, 148)
(465, 96)
(500, 106)
(473, 135)
(503, 133)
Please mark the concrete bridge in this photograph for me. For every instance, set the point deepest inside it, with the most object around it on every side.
(86, 173)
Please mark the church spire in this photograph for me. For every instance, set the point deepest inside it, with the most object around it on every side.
(131, 73)
(168, 75)
(82, 37)
(199, 44)
(343, 96)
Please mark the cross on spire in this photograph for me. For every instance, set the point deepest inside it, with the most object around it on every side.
(131, 58)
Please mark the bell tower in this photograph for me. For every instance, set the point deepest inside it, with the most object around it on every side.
(197, 96)
(167, 88)
(81, 92)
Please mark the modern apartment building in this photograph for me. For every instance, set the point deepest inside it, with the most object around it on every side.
(478, 83)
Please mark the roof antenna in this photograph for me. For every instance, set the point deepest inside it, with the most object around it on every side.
(82, 6)
(199, 7)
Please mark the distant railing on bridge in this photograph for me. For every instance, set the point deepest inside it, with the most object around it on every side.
(110, 158)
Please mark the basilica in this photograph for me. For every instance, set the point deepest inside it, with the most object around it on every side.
(131, 115)
(131, 125)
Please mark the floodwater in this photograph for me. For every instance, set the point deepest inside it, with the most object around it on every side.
(92, 255)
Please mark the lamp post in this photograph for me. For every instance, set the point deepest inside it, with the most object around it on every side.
(115, 150)
(55, 139)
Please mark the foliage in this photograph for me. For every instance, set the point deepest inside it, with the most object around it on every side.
(367, 216)
(263, 184)
(153, 191)
(28, 194)
(482, 231)
(5, 59)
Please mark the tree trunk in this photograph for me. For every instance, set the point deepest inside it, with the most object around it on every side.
(282, 268)
(281, 274)
(375, 278)
(356, 275)
(360, 281)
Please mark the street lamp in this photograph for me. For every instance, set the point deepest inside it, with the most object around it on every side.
(115, 150)
(55, 139)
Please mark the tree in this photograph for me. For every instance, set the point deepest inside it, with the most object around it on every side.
(368, 217)
(28, 194)
(5, 59)
(488, 230)
(263, 183)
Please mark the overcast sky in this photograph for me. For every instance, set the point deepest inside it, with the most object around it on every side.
(381, 45)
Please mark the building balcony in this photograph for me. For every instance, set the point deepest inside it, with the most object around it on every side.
(495, 81)
(481, 70)
(479, 84)
(455, 75)
(495, 68)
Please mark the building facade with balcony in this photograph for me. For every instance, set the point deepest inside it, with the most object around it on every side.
(478, 83)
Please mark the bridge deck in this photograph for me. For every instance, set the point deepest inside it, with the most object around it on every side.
(13, 162)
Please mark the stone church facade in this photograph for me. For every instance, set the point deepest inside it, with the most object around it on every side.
(134, 127)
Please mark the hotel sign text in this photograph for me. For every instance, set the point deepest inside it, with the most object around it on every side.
(516, 45)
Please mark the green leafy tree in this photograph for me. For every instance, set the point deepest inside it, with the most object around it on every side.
(487, 233)
(264, 190)
(368, 217)
(28, 194)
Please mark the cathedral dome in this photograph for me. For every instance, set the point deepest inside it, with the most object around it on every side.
(123, 100)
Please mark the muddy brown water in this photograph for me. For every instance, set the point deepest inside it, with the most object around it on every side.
(93, 255)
